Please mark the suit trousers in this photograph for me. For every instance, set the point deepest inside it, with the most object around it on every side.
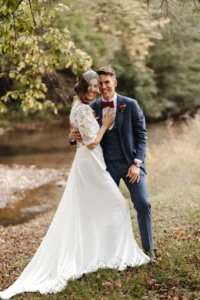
(118, 169)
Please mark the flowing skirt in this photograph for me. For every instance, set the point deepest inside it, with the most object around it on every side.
(91, 229)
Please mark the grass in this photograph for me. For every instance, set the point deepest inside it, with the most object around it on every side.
(173, 181)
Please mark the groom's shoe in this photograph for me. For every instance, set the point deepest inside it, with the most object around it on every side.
(150, 253)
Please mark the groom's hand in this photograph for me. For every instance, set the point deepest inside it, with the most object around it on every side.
(134, 174)
(75, 134)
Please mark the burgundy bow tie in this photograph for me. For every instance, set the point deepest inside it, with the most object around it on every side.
(107, 104)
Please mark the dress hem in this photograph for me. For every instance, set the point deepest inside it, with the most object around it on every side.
(61, 283)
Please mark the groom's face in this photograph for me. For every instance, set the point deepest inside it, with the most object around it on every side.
(107, 86)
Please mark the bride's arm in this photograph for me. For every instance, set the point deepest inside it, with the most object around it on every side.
(87, 126)
(107, 121)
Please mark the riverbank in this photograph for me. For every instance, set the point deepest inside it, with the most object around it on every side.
(15, 180)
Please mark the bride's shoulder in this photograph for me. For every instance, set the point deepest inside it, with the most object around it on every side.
(79, 106)
(80, 109)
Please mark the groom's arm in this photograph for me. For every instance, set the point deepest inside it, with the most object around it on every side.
(140, 136)
(140, 133)
(74, 135)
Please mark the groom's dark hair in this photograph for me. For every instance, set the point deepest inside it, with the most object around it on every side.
(106, 71)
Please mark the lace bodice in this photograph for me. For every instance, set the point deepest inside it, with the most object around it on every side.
(82, 117)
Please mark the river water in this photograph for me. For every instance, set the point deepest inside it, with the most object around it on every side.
(46, 147)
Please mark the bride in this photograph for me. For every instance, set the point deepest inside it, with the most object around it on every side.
(91, 228)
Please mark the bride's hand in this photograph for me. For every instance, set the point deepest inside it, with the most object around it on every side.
(108, 118)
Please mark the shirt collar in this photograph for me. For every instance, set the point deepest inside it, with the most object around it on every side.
(114, 99)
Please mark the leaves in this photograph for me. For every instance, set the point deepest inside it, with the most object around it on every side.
(113, 26)
(32, 48)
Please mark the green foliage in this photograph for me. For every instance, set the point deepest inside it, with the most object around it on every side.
(177, 11)
(104, 28)
(156, 61)
(176, 64)
(32, 48)
(137, 83)
(119, 34)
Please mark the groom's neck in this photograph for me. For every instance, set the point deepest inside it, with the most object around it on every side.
(109, 97)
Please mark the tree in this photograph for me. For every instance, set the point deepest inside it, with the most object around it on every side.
(175, 10)
(103, 28)
(119, 34)
(176, 64)
(32, 48)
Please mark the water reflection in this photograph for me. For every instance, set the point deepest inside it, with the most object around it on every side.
(35, 202)
(47, 147)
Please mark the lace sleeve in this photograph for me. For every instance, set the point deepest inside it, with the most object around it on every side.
(86, 124)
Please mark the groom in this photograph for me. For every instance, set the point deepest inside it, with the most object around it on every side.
(124, 146)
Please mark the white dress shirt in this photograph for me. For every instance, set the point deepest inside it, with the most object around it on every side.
(105, 109)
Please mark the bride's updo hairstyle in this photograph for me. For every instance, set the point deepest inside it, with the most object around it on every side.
(83, 83)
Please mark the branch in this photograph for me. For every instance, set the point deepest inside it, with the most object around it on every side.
(31, 8)
(20, 1)
(167, 2)
(15, 31)
(57, 89)
(183, 6)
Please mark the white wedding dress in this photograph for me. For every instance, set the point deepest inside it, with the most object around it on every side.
(91, 228)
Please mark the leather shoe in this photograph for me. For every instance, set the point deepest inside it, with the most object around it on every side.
(150, 253)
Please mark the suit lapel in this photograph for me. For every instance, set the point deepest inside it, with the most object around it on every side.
(119, 114)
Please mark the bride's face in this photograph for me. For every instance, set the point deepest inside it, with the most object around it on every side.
(92, 90)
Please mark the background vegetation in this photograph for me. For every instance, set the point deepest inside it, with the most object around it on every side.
(155, 52)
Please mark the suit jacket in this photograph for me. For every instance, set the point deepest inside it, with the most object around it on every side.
(131, 126)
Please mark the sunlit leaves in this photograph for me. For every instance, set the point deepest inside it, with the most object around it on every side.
(11, 4)
(14, 95)
(31, 48)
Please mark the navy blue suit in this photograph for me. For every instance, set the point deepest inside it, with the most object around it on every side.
(127, 141)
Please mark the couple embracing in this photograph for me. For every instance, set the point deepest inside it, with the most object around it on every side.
(92, 228)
